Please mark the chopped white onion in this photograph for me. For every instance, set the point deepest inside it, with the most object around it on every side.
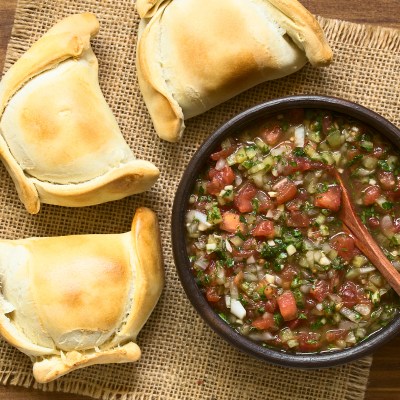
(228, 301)
(347, 325)
(228, 246)
(366, 270)
(305, 288)
(269, 278)
(251, 260)
(202, 218)
(250, 277)
(264, 336)
(221, 163)
(350, 314)
(351, 338)
(237, 309)
(387, 226)
(299, 136)
(363, 309)
(201, 263)
(238, 180)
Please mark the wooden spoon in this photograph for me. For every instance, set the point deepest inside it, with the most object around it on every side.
(364, 241)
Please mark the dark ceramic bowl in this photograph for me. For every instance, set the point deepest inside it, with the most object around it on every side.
(196, 165)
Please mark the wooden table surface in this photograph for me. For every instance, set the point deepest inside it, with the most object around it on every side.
(384, 381)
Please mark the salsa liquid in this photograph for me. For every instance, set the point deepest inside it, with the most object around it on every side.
(266, 245)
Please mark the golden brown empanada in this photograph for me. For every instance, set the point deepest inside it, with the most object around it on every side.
(59, 139)
(73, 301)
(195, 54)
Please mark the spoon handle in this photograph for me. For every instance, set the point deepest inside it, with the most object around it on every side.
(365, 242)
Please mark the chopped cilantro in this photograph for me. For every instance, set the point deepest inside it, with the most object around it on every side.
(248, 164)
(299, 152)
(214, 215)
(223, 317)
(302, 316)
(242, 218)
(387, 205)
(367, 213)
(278, 319)
(338, 264)
(299, 297)
(255, 204)
(383, 164)
(322, 187)
(317, 324)
(355, 159)
(268, 251)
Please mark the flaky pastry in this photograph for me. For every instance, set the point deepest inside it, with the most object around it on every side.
(73, 301)
(195, 54)
(59, 138)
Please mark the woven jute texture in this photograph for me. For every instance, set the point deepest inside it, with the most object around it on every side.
(182, 358)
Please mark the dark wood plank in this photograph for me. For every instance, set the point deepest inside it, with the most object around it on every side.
(7, 11)
(385, 373)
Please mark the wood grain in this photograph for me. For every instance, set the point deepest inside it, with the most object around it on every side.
(385, 372)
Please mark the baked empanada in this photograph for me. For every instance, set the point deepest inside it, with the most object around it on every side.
(59, 138)
(73, 301)
(195, 54)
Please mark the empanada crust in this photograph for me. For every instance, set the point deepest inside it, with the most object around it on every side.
(74, 301)
(195, 54)
(60, 140)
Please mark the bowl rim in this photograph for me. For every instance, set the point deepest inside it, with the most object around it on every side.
(197, 299)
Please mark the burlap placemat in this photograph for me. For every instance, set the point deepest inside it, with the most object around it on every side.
(182, 357)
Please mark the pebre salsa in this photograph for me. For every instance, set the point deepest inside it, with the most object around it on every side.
(265, 241)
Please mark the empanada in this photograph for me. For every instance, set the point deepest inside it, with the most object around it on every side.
(195, 54)
(73, 301)
(59, 138)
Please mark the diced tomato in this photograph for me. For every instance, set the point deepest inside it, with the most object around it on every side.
(287, 305)
(271, 135)
(242, 200)
(286, 190)
(373, 222)
(387, 180)
(288, 273)
(295, 323)
(335, 334)
(243, 253)
(349, 294)
(378, 151)
(330, 199)
(370, 195)
(223, 153)
(264, 229)
(297, 219)
(219, 179)
(352, 152)
(265, 202)
(250, 244)
(326, 123)
(237, 280)
(344, 245)
(212, 295)
(295, 164)
(295, 115)
(231, 223)
(264, 322)
(309, 341)
(271, 304)
(294, 205)
(320, 290)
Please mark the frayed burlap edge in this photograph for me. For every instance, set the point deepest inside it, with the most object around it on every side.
(356, 385)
